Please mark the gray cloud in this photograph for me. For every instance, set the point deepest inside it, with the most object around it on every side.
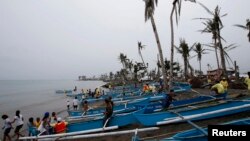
(62, 39)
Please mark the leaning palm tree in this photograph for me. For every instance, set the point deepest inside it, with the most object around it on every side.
(218, 26)
(177, 10)
(184, 50)
(149, 14)
(199, 51)
(247, 27)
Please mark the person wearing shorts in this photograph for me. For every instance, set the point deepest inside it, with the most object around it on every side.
(7, 127)
(18, 118)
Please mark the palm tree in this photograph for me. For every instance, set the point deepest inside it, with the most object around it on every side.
(225, 49)
(210, 28)
(140, 47)
(247, 27)
(199, 51)
(149, 12)
(122, 58)
(177, 9)
(184, 50)
(217, 27)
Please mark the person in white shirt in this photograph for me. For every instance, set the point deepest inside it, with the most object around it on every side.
(75, 103)
(19, 123)
(7, 127)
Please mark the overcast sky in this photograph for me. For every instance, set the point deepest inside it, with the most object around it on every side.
(62, 39)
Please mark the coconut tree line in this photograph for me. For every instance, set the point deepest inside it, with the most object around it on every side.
(212, 25)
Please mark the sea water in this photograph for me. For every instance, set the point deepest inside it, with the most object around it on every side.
(35, 97)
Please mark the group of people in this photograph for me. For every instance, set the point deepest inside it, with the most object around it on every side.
(48, 125)
(18, 118)
(149, 88)
(75, 103)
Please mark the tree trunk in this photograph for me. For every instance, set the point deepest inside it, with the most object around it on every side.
(223, 62)
(200, 66)
(160, 53)
(172, 46)
(144, 64)
(185, 68)
(216, 54)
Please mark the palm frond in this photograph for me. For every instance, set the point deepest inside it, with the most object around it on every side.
(241, 26)
(202, 5)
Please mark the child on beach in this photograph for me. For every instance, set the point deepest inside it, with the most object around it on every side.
(75, 103)
(53, 119)
(7, 127)
(85, 107)
(37, 122)
(31, 127)
(19, 123)
(68, 104)
(44, 126)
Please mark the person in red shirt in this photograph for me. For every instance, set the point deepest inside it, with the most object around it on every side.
(60, 126)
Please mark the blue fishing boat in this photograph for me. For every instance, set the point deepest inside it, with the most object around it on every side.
(198, 135)
(191, 113)
(116, 120)
(63, 91)
(119, 107)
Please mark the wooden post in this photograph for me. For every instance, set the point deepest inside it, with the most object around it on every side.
(236, 68)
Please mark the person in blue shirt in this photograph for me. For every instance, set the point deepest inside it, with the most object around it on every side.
(168, 99)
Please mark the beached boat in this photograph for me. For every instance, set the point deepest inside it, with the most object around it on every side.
(119, 106)
(98, 115)
(199, 135)
(119, 120)
(63, 91)
(191, 113)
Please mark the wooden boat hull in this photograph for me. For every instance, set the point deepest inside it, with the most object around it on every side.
(117, 120)
(153, 119)
(117, 107)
